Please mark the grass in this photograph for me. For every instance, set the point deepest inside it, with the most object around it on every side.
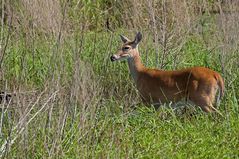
(143, 133)
(81, 108)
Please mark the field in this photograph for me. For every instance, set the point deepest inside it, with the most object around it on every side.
(70, 101)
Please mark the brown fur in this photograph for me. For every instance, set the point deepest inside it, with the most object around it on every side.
(197, 84)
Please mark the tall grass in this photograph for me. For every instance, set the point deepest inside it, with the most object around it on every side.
(70, 101)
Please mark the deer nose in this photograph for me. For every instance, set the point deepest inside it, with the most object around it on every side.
(113, 58)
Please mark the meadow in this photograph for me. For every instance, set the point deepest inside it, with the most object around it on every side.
(70, 101)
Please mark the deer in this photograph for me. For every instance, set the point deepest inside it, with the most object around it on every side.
(198, 85)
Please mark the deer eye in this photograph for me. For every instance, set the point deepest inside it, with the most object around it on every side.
(126, 48)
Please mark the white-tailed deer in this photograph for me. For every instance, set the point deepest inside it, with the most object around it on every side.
(197, 84)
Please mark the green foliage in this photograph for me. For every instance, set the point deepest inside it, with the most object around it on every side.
(103, 124)
(143, 133)
(115, 131)
(97, 14)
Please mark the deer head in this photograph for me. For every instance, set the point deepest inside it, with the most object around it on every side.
(129, 48)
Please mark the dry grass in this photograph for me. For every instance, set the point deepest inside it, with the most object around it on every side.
(69, 100)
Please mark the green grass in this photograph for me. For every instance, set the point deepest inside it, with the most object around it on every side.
(106, 126)
(73, 102)
(143, 133)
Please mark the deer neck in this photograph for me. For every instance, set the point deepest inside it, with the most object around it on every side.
(135, 66)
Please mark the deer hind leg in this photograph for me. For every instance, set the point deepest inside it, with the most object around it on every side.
(203, 101)
(203, 95)
(211, 99)
(205, 105)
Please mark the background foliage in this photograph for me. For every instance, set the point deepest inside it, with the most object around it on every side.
(70, 101)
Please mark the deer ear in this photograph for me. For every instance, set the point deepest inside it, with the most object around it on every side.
(138, 38)
(124, 39)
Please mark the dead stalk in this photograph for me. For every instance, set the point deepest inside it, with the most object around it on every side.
(18, 129)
